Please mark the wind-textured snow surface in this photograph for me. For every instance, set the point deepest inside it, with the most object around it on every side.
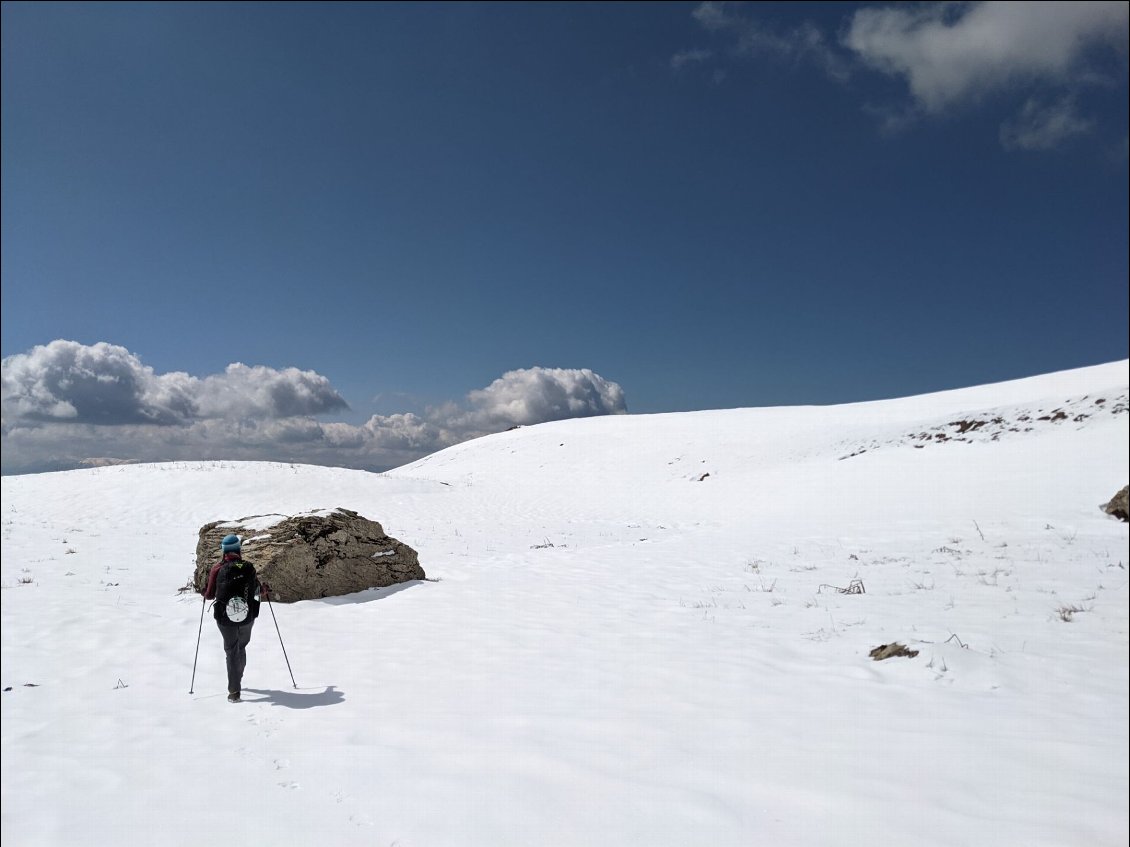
(631, 634)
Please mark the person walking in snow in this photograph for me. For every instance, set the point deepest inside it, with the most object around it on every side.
(235, 587)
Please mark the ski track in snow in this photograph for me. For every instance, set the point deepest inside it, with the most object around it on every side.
(631, 633)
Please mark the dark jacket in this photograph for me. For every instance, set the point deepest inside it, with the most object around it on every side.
(210, 588)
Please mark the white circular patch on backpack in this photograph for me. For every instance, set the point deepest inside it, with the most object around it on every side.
(236, 610)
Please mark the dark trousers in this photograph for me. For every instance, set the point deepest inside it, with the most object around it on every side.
(236, 639)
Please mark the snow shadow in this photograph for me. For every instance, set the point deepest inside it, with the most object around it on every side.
(296, 699)
(370, 594)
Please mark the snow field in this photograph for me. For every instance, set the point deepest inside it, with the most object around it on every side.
(611, 647)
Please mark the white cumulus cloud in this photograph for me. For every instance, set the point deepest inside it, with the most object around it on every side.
(954, 52)
(517, 398)
(98, 384)
(67, 404)
(1035, 58)
(536, 395)
(65, 381)
(261, 392)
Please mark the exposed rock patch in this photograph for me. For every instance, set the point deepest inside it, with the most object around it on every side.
(995, 424)
(1118, 505)
(886, 651)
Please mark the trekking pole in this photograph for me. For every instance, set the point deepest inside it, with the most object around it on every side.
(195, 656)
(276, 620)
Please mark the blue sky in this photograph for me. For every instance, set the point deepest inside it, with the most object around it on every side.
(354, 233)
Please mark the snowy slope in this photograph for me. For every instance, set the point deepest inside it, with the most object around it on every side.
(631, 634)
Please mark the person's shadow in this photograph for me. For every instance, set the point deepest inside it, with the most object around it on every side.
(295, 699)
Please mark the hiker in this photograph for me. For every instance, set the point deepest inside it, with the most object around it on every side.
(233, 584)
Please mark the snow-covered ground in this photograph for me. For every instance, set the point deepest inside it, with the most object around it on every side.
(631, 634)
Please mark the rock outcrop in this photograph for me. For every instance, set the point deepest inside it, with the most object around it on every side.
(1118, 505)
(326, 553)
(886, 651)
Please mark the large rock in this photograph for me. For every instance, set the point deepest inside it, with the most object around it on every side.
(1118, 505)
(313, 555)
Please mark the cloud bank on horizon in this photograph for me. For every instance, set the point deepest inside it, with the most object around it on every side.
(66, 404)
(949, 56)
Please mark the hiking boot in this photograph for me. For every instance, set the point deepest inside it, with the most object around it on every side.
(233, 696)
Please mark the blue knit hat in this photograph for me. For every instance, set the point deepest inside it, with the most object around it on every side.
(230, 544)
